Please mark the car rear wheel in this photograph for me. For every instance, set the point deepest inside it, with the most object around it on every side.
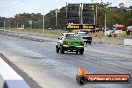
(81, 51)
(62, 50)
(80, 80)
(89, 42)
(57, 49)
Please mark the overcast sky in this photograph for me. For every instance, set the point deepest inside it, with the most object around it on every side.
(8, 8)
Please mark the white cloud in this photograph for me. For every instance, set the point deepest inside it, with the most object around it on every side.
(13, 4)
(9, 7)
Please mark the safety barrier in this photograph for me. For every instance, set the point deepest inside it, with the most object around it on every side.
(9, 78)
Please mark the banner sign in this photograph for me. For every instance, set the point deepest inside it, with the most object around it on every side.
(80, 26)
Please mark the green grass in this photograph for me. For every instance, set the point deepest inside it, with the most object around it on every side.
(1, 27)
(38, 31)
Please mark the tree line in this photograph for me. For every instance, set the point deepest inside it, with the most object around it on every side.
(114, 15)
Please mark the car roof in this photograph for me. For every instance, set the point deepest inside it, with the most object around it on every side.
(81, 32)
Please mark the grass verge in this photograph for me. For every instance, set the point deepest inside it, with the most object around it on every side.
(97, 37)
(39, 31)
(101, 38)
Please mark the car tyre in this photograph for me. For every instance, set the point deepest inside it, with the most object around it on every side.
(81, 51)
(57, 49)
(76, 52)
(89, 42)
(81, 80)
(62, 50)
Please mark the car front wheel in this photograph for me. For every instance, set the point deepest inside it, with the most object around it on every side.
(57, 49)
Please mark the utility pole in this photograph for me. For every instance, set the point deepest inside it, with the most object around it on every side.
(56, 12)
(17, 25)
(9, 23)
(105, 24)
(95, 18)
(43, 22)
(4, 24)
(31, 26)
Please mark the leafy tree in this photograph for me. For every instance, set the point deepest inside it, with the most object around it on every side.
(122, 15)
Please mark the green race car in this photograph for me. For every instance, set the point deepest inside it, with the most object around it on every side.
(70, 42)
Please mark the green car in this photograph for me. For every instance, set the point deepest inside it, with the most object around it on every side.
(70, 42)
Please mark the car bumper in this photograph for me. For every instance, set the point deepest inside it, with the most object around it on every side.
(66, 47)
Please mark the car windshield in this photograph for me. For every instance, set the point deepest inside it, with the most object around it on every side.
(73, 36)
